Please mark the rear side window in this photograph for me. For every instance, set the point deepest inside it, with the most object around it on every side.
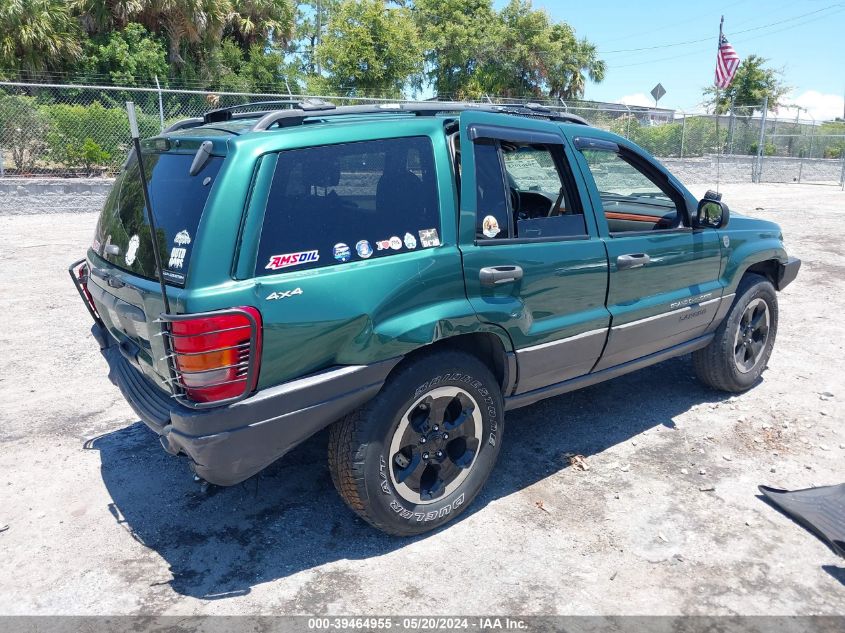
(339, 203)
(123, 233)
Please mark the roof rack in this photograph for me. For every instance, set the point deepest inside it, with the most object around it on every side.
(296, 116)
(228, 113)
(313, 107)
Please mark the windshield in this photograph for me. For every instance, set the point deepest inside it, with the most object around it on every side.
(123, 232)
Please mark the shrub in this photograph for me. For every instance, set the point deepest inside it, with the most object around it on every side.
(22, 130)
(89, 155)
(769, 149)
(92, 135)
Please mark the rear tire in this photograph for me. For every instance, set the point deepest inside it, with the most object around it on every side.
(390, 461)
(742, 345)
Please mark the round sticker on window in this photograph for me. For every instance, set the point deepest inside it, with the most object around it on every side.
(490, 226)
(395, 243)
(364, 249)
(341, 252)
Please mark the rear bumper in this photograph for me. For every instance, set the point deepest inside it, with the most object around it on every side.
(230, 443)
(787, 272)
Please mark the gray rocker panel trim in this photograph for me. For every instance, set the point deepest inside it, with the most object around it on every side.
(541, 365)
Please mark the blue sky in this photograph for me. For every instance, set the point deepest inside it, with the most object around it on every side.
(804, 38)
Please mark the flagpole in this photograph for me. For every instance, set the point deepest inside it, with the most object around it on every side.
(716, 108)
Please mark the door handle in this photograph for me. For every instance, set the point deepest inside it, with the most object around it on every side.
(632, 260)
(493, 276)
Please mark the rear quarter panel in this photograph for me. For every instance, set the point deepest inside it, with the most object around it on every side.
(358, 312)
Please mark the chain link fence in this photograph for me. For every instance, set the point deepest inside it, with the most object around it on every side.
(79, 130)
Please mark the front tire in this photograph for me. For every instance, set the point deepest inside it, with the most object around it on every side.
(415, 456)
(743, 343)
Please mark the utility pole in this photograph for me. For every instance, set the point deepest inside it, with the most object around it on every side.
(319, 33)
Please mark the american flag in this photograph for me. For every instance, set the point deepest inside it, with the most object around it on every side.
(727, 62)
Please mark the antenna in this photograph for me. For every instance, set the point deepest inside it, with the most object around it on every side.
(136, 141)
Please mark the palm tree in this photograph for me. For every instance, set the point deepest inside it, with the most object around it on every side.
(259, 21)
(186, 22)
(585, 60)
(37, 35)
(98, 16)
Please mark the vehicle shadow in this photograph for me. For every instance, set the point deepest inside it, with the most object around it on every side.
(837, 573)
(289, 517)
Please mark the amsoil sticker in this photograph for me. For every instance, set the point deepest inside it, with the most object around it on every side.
(429, 238)
(341, 252)
(292, 259)
(183, 238)
(395, 243)
(490, 226)
(177, 257)
(132, 250)
(363, 249)
(410, 241)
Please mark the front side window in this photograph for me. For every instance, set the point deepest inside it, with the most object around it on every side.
(631, 200)
(522, 194)
(338, 203)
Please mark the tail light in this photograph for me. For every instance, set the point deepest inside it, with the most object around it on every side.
(79, 274)
(216, 355)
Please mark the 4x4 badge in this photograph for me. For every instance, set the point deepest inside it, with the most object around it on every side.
(283, 295)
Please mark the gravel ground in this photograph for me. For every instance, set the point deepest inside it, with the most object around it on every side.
(102, 521)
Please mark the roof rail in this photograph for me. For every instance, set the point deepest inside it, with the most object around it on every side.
(296, 116)
(226, 114)
(184, 123)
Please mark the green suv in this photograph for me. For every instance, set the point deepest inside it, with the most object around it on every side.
(405, 274)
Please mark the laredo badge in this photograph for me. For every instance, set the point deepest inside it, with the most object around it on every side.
(292, 259)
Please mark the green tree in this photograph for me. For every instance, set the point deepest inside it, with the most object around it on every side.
(525, 47)
(129, 57)
(572, 63)
(370, 49)
(312, 19)
(22, 130)
(260, 21)
(458, 37)
(103, 16)
(37, 35)
(526, 53)
(752, 82)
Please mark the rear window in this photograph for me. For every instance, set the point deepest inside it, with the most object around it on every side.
(178, 200)
(339, 203)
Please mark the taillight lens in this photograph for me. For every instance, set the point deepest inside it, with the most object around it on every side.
(213, 354)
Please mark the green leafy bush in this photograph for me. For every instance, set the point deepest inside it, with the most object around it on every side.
(22, 130)
(89, 155)
(769, 149)
(84, 136)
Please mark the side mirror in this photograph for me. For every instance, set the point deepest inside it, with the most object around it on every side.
(712, 212)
